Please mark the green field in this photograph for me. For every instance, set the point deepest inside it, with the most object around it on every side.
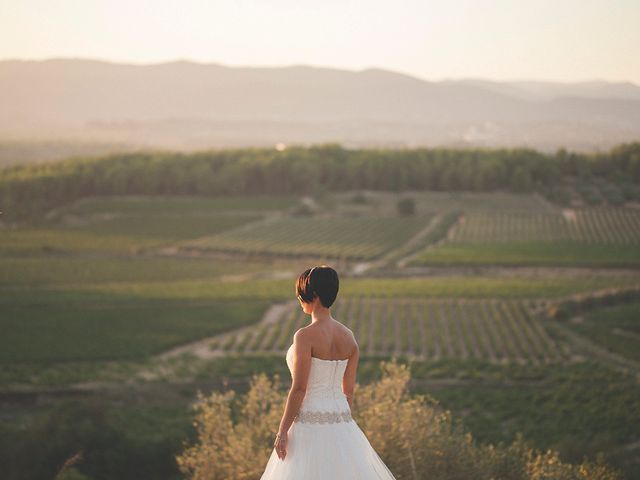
(94, 292)
(149, 316)
(284, 289)
(532, 254)
(112, 331)
(60, 270)
(616, 328)
(176, 205)
(433, 201)
(337, 237)
(127, 225)
(578, 409)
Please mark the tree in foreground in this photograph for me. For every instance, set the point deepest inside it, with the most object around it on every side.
(413, 435)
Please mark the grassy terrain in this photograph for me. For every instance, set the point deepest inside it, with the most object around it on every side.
(352, 237)
(540, 254)
(59, 270)
(617, 328)
(176, 205)
(579, 409)
(118, 235)
(85, 297)
(122, 225)
(122, 439)
(433, 201)
(430, 287)
(115, 320)
(38, 240)
(101, 331)
(167, 227)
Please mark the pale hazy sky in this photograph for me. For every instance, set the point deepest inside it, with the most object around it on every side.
(563, 40)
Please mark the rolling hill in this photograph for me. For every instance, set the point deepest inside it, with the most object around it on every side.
(187, 105)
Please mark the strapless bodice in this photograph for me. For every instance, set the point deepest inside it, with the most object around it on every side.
(324, 388)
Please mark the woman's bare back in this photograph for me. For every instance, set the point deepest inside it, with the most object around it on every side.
(331, 340)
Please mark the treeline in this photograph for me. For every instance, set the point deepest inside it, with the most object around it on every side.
(32, 189)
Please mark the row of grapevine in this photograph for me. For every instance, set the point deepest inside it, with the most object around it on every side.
(498, 331)
(357, 237)
(607, 226)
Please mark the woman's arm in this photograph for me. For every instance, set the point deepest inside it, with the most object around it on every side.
(300, 377)
(349, 378)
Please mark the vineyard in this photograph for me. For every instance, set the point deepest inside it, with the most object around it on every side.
(497, 331)
(102, 291)
(602, 226)
(590, 237)
(124, 225)
(345, 237)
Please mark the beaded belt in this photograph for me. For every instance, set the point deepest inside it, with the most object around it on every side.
(323, 417)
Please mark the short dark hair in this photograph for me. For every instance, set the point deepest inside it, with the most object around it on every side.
(321, 281)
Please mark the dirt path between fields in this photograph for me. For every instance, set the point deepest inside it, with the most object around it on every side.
(398, 255)
(201, 348)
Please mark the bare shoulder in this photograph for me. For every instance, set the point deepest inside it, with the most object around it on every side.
(346, 331)
(349, 337)
(303, 334)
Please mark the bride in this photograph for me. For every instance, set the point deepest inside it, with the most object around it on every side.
(318, 439)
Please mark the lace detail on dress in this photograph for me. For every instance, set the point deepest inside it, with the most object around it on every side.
(323, 417)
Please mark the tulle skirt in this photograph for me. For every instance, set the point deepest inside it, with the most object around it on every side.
(327, 451)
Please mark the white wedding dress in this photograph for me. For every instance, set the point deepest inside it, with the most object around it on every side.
(324, 442)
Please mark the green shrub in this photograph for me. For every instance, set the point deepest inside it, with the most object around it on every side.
(406, 206)
(580, 303)
(359, 198)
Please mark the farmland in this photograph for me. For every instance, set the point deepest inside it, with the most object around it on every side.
(587, 236)
(497, 331)
(98, 294)
(104, 331)
(354, 238)
(615, 328)
(591, 226)
(126, 225)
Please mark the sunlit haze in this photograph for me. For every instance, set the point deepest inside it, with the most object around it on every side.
(565, 40)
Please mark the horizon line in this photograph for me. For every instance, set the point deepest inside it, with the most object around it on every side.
(306, 65)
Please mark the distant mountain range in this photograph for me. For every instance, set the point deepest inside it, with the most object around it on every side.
(186, 105)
